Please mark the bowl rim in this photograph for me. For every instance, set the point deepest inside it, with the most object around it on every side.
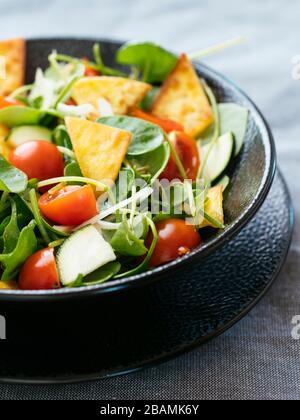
(207, 248)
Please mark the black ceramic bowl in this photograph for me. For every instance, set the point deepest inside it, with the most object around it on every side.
(252, 174)
(71, 333)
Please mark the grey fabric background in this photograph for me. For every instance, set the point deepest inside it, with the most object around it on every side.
(257, 359)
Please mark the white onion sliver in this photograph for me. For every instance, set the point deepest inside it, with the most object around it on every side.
(105, 108)
(138, 197)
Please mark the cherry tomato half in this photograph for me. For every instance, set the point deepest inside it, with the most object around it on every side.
(188, 153)
(89, 71)
(38, 159)
(175, 239)
(70, 205)
(5, 102)
(39, 271)
(167, 125)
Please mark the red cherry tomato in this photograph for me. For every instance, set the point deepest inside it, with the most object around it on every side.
(38, 159)
(167, 125)
(39, 271)
(188, 153)
(175, 239)
(70, 102)
(89, 71)
(71, 205)
(5, 102)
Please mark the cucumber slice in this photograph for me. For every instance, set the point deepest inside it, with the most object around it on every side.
(20, 135)
(225, 182)
(82, 253)
(219, 156)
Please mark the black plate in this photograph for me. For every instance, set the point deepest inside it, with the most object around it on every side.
(252, 174)
(125, 331)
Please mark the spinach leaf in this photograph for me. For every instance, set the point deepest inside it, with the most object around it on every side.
(11, 179)
(72, 169)
(26, 246)
(102, 274)
(126, 243)
(154, 62)
(12, 232)
(146, 136)
(234, 119)
(145, 264)
(14, 116)
(61, 137)
(151, 165)
(149, 99)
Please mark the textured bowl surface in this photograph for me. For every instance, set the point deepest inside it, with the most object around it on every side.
(252, 175)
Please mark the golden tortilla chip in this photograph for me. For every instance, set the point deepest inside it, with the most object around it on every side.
(8, 285)
(182, 99)
(100, 149)
(13, 51)
(124, 95)
(4, 148)
(214, 207)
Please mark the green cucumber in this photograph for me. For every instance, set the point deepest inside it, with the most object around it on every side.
(217, 157)
(82, 253)
(25, 133)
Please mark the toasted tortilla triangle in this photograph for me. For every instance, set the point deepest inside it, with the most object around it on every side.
(100, 149)
(13, 60)
(4, 148)
(124, 95)
(214, 206)
(182, 99)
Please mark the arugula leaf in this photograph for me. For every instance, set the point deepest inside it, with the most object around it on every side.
(151, 164)
(146, 136)
(154, 62)
(14, 116)
(26, 246)
(12, 232)
(11, 179)
(126, 243)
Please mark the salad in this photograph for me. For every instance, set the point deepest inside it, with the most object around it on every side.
(108, 172)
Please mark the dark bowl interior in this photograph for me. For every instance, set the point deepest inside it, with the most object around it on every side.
(252, 173)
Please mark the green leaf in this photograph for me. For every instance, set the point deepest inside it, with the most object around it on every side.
(61, 137)
(152, 163)
(72, 169)
(149, 99)
(14, 116)
(126, 243)
(234, 119)
(11, 179)
(26, 246)
(102, 274)
(12, 232)
(146, 136)
(154, 62)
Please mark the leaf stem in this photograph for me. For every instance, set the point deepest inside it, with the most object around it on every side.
(176, 157)
(217, 48)
(216, 134)
(37, 216)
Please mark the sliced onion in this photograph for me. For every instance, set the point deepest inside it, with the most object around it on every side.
(139, 197)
